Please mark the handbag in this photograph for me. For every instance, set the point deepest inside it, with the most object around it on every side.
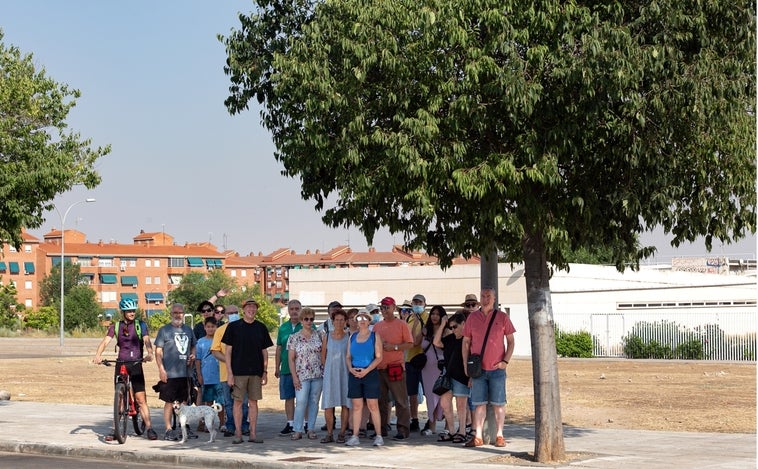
(442, 384)
(418, 361)
(474, 362)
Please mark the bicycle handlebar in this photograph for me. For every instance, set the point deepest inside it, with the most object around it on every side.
(107, 362)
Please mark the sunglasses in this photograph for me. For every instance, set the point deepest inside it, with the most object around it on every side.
(405, 310)
(307, 319)
(470, 305)
(454, 326)
(207, 310)
(219, 311)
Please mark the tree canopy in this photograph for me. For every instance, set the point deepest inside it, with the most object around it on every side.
(39, 156)
(539, 129)
(457, 123)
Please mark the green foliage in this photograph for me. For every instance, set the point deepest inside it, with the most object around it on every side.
(158, 320)
(8, 307)
(573, 344)
(40, 157)
(663, 340)
(81, 310)
(50, 286)
(580, 124)
(197, 287)
(47, 318)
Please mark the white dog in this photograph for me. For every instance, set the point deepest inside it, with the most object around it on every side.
(189, 414)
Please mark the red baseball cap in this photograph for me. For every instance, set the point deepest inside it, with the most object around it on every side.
(388, 300)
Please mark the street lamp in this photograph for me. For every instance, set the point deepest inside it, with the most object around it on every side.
(63, 234)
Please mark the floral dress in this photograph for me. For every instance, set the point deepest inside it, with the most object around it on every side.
(308, 359)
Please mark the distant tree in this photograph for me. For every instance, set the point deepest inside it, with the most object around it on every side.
(50, 286)
(197, 287)
(527, 130)
(82, 310)
(8, 306)
(40, 158)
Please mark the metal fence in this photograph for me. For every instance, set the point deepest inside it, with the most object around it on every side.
(685, 334)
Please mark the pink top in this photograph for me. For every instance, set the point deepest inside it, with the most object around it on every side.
(393, 332)
(476, 327)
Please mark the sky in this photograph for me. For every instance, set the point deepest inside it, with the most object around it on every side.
(152, 83)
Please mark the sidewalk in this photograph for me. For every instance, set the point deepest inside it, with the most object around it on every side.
(77, 431)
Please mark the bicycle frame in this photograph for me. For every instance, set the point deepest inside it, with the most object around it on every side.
(125, 405)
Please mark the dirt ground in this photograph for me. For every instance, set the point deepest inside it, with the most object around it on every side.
(595, 393)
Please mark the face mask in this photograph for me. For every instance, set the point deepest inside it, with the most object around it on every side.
(418, 309)
(376, 317)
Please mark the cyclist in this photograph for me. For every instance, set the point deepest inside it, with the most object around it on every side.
(132, 338)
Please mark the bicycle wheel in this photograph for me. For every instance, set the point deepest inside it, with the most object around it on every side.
(120, 412)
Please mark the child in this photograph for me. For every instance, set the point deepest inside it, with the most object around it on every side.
(208, 371)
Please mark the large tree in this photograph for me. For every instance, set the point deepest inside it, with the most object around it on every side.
(39, 156)
(538, 129)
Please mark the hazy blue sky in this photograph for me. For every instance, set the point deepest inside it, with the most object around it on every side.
(152, 83)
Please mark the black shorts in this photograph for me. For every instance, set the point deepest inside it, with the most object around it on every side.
(136, 376)
(176, 389)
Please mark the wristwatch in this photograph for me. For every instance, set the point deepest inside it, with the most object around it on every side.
(396, 348)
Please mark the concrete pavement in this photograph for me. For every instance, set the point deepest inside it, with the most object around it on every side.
(78, 430)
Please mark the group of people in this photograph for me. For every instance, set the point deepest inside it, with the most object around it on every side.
(365, 365)
(363, 362)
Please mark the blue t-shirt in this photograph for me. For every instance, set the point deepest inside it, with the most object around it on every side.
(208, 363)
(362, 353)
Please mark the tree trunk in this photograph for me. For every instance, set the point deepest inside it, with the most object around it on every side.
(548, 428)
(488, 269)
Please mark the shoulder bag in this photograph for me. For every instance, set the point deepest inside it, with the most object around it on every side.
(474, 362)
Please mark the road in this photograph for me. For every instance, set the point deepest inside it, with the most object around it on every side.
(34, 461)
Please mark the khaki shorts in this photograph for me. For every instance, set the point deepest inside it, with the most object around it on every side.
(247, 384)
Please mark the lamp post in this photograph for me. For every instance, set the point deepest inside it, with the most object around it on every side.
(63, 234)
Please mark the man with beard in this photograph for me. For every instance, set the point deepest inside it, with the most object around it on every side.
(174, 354)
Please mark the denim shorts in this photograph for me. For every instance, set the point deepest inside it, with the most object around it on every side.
(489, 388)
(460, 389)
(286, 387)
(213, 393)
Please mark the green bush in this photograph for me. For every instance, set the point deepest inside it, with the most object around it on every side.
(573, 344)
(45, 318)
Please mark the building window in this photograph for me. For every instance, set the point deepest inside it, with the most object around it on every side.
(28, 284)
(156, 280)
(12, 248)
(27, 248)
(148, 280)
(147, 263)
(28, 303)
(157, 263)
(233, 273)
(84, 262)
(243, 273)
(176, 262)
(104, 263)
(107, 296)
(278, 284)
(133, 263)
(174, 279)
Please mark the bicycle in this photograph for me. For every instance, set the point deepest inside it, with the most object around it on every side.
(124, 404)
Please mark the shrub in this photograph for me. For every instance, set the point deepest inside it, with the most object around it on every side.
(573, 344)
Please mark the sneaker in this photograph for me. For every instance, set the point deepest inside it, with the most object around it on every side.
(414, 425)
(399, 437)
(378, 441)
(426, 432)
(228, 431)
(151, 435)
(353, 441)
(170, 435)
(286, 430)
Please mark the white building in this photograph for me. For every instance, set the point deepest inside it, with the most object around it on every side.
(592, 298)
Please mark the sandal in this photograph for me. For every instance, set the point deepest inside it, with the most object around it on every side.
(327, 439)
(499, 442)
(474, 442)
(341, 438)
(362, 434)
(445, 438)
(312, 435)
(296, 436)
(458, 438)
